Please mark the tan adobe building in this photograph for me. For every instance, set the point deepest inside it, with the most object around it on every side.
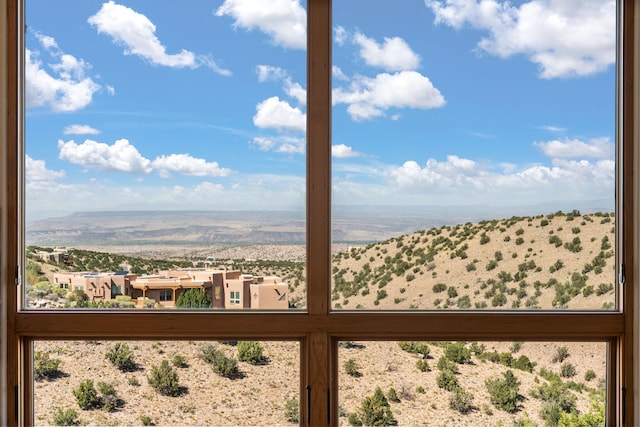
(97, 286)
(228, 289)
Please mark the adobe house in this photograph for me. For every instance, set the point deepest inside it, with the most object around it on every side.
(97, 286)
(165, 289)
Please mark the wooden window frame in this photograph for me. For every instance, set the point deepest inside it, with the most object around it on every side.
(319, 328)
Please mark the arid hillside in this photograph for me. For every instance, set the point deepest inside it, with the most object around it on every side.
(558, 261)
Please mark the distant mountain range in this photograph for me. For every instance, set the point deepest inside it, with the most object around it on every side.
(212, 228)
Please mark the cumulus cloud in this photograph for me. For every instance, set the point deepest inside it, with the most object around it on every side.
(554, 128)
(187, 165)
(136, 33)
(291, 88)
(394, 54)
(340, 35)
(119, 157)
(565, 38)
(598, 148)
(269, 72)
(281, 144)
(61, 84)
(341, 151)
(371, 97)
(337, 73)
(276, 114)
(284, 21)
(80, 130)
(36, 170)
(463, 181)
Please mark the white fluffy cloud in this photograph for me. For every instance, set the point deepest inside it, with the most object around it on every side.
(280, 144)
(597, 148)
(392, 55)
(61, 84)
(341, 151)
(276, 114)
(463, 181)
(136, 33)
(269, 72)
(80, 130)
(119, 157)
(36, 171)
(566, 38)
(285, 21)
(185, 164)
(291, 88)
(370, 97)
(124, 157)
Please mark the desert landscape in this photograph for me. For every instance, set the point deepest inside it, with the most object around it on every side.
(560, 261)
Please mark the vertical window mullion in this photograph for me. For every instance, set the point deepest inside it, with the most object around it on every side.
(318, 156)
(319, 33)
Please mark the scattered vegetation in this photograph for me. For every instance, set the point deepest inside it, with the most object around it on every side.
(164, 379)
(374, 411)
(121, 356)
(251, 352)
(504, 393)
(44, 367)
(65, 417)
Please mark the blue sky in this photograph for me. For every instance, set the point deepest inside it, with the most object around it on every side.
(145, 105)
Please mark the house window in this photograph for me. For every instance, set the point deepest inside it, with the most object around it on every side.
(116, 290)
(234, 297)
(166, 295)
(327, 315)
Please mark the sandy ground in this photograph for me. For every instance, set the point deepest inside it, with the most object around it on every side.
(259, 397)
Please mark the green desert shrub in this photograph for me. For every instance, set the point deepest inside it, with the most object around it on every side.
(447, 380)
(87, 396)
(567, 370)
(146, 420)
(415, 347)
(392, 395)
(439, 287)
(351, 368)
(292, 410)
(179, 361)
(444, 364)
(461, 401)
(251, 352)
(121, 356)
(589, 375)
(504, 391)
(164, 379)
(222, 365)
(65, 417)
(457, 352)
(422, 365)
(374, 411)
(44, 366)
(110, 400)
(561, 354)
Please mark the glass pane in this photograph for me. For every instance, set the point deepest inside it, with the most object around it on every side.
(472, 383)
(166, 383)
(161, 137)
(474, 155)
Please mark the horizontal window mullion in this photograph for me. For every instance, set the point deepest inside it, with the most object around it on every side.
(370, 325)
